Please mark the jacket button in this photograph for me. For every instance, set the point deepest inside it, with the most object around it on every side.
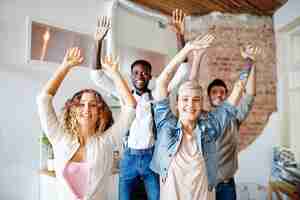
(165, 169)
(170, 155)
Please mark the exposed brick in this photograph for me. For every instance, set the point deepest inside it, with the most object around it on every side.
(224, 61)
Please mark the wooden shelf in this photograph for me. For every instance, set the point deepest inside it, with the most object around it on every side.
(47, 173)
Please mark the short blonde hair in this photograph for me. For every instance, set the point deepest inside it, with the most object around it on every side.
(192, 85)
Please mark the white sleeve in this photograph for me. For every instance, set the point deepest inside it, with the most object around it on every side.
(121, 125)
(102, 80)
(180, 76)
(48, 117)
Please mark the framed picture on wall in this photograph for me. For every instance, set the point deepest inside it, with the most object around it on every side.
(48, 43)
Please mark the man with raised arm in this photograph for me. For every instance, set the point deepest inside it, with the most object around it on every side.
(185, 151)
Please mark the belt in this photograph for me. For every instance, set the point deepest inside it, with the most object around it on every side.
(227, 181)
(139, 151)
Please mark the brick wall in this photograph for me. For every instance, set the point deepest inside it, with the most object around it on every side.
(224, 61)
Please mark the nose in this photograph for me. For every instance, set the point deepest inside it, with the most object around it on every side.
(139, 75)
(191, 102)
(219, 94)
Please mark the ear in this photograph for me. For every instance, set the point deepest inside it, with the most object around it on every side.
(176, 109)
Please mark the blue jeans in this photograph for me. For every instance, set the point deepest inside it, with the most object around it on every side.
(226, 191)
(135, 164)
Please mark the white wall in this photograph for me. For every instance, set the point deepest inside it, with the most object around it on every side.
(255, 161)
(287, 13)
(143, 32)
(20, 83)
(287, 25)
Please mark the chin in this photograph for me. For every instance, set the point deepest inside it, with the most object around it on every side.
(215, 104)
(189, 117)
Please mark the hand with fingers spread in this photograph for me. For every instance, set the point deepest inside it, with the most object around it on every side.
(200, 43)
(73, 57)
(177, 22)
(103, 26)
(110, 64)
(177, 25)
(250, 52)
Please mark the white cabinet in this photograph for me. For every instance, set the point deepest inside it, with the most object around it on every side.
(48, 187)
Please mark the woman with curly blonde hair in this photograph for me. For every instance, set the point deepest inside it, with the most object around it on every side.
(84, 138)
(69, 120)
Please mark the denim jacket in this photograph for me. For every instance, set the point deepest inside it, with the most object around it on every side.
(169, 135)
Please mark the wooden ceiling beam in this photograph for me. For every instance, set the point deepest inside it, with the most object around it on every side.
(202, 7)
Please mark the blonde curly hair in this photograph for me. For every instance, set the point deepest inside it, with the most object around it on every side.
(70, 111)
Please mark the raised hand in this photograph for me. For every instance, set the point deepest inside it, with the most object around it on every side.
(103, 25)
(200, 43)
(177, 22)
(250, 52)
(73, 57)
(110, 63)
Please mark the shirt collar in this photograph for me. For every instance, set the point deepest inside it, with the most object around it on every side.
(141, 94)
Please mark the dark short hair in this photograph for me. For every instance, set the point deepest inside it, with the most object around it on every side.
(216, 82)
(144, 63)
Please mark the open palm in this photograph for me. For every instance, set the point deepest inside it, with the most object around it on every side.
(103, 26)
(250, 52)
(177, 22)
(110, 64)
(73, 57)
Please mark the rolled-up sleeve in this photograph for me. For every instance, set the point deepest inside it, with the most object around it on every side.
(48, 117)
(244, 107)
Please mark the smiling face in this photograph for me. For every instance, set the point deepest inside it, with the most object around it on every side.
(140, 77)
(189, 101)
(88, 111)
(217, 95)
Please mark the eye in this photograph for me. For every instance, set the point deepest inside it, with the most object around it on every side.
(93, 105)
(145, 73)
(213, 92)
(81, 105)
(184, 99)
